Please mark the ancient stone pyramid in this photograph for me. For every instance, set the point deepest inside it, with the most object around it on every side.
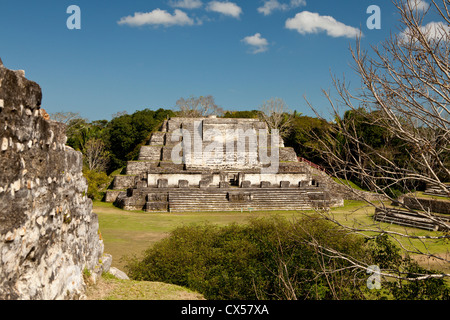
(218, 164)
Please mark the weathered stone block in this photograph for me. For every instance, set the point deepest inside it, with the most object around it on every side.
(123, 182)
(157, 197)
(183, 184)
(166, 154)
(171, 139)
(174, 124)
(157, 206)
(265, 184)
(141, 184)
(288, 154)
(239, 196)
(152, 153)
(163, 183)
(118, 273)
(112, 195)
(303, 184)
(204, 183)
(297, 167)
(246, 184)
(224, 184)
(157, 138)
(285, 184)
(318, 196)
(137, 167)
(170, 166)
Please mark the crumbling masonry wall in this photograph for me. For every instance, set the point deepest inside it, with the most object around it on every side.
(48, 233)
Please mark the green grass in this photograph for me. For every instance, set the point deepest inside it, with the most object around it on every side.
(349, 183)
(129, 233)
(111, 288)
(420, 194)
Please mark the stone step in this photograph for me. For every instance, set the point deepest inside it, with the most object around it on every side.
(204, 199)
(244, 209)
(405, 222)
(278, 201)
(257, 195)
(172, 204)
(218, 201)
(238, 206)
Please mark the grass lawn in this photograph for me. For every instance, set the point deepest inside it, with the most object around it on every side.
(129, 233)
(110, 288)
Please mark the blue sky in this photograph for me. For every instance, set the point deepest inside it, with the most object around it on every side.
(242, 52)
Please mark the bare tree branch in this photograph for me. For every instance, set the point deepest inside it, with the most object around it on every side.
(198, 107)
(276, 114)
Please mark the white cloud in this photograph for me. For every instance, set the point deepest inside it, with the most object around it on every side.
(308, 22)
(186, 4)
(225, 8)
(273, 5)
(258, 43)
(270, 6)
(419, 5)
(157, 17)
(438, 31)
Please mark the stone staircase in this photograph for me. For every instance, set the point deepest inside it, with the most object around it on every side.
(234, 199)
(409, 219)
(437, 191)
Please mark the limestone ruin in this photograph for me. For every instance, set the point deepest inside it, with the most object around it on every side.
(219, 164)
(49, 236)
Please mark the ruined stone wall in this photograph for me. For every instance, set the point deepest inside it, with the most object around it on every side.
(48, 232)
(433, 205)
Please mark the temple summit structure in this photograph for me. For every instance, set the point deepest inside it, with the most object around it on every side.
(219, 164)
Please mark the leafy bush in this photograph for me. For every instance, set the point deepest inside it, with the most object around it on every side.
(280, 259)
(266, 259)
(97, 181)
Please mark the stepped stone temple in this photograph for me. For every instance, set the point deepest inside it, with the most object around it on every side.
(219, 164)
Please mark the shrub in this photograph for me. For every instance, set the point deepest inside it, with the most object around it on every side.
(265, 259)
(97, 181)
(280, 259)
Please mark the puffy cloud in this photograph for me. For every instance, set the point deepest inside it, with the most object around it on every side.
(157, 17)
(419, 5)
(273, 5)
(258, 43)
(186, 4)
(225, 8)
(434, 31)
(308, 22)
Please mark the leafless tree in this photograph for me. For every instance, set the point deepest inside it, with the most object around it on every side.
(276, 114)
(65, 117)
(194, 107)
(95, 154)
(405, 81)
(119, 114)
